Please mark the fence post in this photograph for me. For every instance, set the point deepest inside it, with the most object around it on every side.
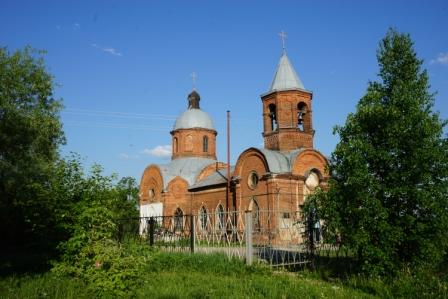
(248, 237)
(192, 233)
(311, 241)
(151, 231)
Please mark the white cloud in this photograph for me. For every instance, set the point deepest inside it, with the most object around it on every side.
(111, 51)
(76, 26)
(160, 151)
(125, 156)
(442, 58)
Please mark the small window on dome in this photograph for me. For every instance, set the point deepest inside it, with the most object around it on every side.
(176, 145)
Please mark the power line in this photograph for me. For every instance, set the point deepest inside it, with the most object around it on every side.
(88, 112)
(110, 125)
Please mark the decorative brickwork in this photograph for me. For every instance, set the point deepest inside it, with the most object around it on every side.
(287, 120)
(190, 143)
(151, 180)
(309, 160)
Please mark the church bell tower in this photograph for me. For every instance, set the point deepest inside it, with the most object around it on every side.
(287, 110)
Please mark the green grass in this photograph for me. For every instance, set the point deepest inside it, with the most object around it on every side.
(45, 285)
(188, 276)
(183, 275)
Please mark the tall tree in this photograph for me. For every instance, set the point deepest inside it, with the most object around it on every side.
(30, 134)
(388, 195)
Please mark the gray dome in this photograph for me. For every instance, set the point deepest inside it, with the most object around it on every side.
(194, 118)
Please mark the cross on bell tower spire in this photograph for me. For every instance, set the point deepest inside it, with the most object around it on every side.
(283, 36)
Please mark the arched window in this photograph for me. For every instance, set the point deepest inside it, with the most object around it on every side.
(302, 111)
(273, 116)
(151, 193)
(220, 218)
(205, 144)
(312, 180)
(178, 220)
(203, 218)
(175, 145)
(189, 143)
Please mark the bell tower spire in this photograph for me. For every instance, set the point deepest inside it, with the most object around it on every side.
(287, 109)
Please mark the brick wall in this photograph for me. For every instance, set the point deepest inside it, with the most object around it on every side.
(151, 180)
(189, 143)
(287, 135)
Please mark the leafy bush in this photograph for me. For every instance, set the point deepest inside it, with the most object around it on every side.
(108, 268)
(91, 219)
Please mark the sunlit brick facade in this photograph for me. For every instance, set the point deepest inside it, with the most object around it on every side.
(277, 177)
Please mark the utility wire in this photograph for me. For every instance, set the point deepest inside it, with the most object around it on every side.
(114, 126)
(88, 112)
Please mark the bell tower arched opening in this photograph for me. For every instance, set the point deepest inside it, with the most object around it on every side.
(287, 111)
(273, 117)
(302, 115)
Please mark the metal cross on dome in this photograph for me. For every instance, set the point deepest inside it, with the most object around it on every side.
(283, 36)
(194, 77)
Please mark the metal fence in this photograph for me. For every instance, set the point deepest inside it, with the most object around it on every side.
(278, 238)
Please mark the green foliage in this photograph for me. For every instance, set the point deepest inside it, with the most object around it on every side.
(387, 196)
(107, 267)
(30, 134)
(43, 199)
(91, 206)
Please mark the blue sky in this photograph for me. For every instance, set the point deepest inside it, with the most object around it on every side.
(123, 67)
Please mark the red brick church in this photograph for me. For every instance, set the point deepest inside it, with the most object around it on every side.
(277, 177)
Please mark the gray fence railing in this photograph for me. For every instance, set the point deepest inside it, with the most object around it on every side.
(275, 237)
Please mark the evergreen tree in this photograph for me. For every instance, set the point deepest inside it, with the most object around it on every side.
(388, 195)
